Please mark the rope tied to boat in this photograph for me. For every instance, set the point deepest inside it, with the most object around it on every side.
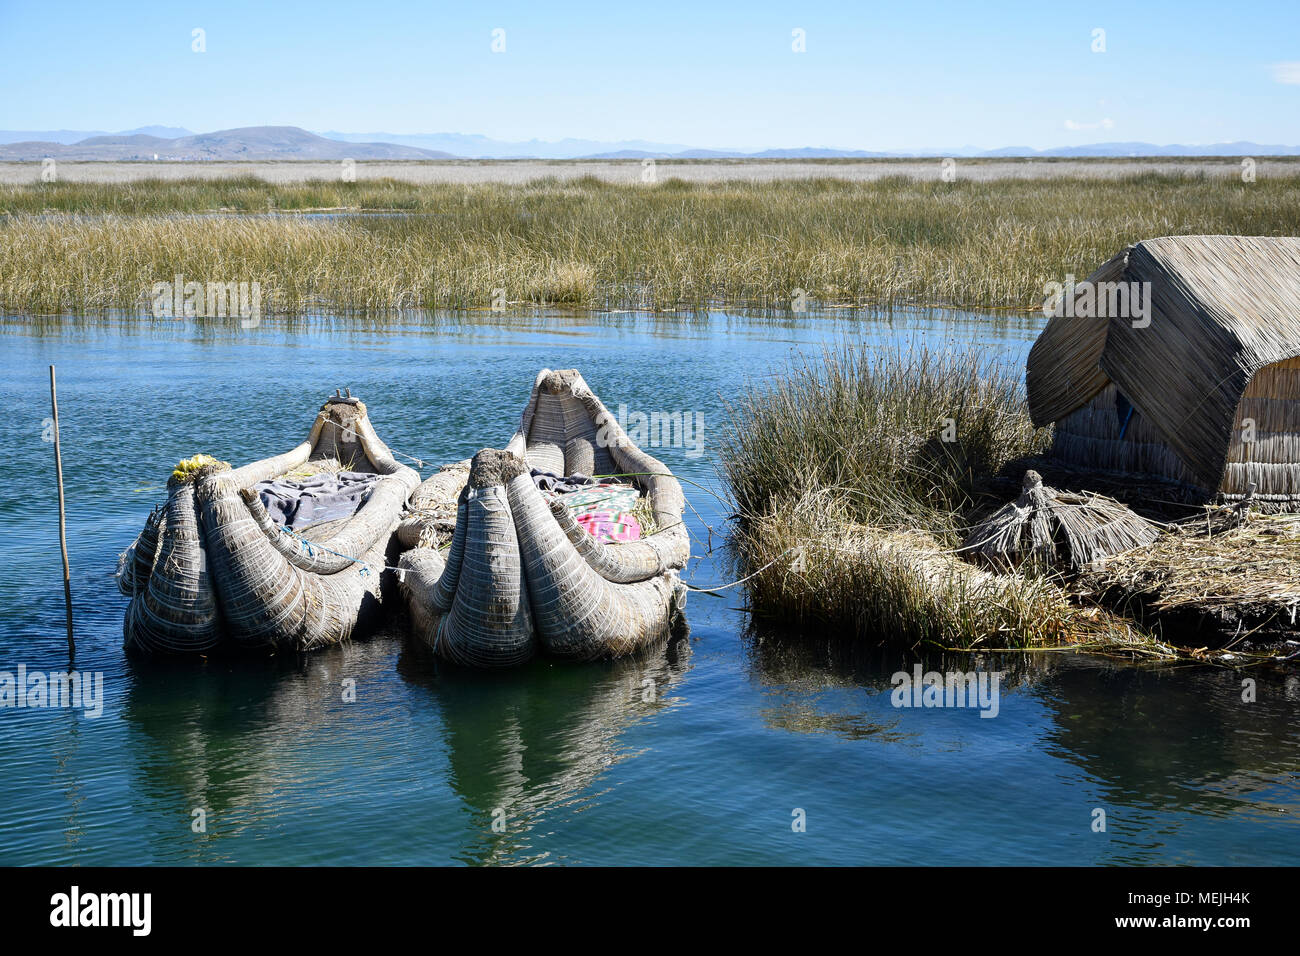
(312, 547)
(723, 587)
(419, 462)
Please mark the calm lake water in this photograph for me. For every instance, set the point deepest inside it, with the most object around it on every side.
(746, 731)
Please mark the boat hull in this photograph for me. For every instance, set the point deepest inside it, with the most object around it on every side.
(520, 576)
(212, 571)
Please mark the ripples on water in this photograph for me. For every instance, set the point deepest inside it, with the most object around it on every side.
(697, 753)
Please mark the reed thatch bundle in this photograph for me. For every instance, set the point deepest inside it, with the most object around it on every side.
(1224, 574)
(433, 508)
(213, 569)
(520, 574)
(1056, 529)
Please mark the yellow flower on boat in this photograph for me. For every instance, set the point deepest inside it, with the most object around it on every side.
(187, 468)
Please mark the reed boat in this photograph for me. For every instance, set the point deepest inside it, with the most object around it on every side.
(567, 542)
(283, 553)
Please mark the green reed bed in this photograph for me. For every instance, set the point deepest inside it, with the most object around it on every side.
(870, 426)
(587, 243)
(855, 476)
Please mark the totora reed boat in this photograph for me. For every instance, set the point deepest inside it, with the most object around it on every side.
(287, 552)
(566, 542)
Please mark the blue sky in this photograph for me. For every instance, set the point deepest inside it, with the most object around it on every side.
(879, 75)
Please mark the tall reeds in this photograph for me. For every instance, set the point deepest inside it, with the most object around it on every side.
(853, 478)
(901, 436)
(587, 243)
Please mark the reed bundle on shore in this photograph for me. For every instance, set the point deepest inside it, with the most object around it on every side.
(1050, 529)
(817, 568)
(1217, 571)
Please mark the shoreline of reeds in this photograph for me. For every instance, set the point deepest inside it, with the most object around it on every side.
(591, 244)
(854, 478)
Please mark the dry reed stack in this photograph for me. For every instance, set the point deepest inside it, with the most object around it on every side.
(212, 569)
(1053, 529)
(520, 574)
(1207, 395)
(1214, 578)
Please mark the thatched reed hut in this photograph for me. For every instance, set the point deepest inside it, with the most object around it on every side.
(1193, 379)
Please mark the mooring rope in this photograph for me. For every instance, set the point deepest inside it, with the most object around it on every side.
(312, 547)
(418, 461)
(723, 587)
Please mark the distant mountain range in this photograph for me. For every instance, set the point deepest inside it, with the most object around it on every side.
(290, 142)
(69, 136)
(473, 146)
(250, 143)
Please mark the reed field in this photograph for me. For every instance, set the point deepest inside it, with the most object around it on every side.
(869, 426)
(590, 244)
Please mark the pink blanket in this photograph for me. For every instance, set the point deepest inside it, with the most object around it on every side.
(610, 525)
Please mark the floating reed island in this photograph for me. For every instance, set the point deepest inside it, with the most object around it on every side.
(568, 542)
(1196, 400)
(871, 490)
(223, 565)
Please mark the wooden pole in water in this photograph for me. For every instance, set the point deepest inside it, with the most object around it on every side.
(63, 521)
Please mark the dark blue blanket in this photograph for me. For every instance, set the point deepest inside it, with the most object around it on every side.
(299, 503)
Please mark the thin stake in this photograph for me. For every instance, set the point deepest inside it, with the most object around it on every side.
(63, 521)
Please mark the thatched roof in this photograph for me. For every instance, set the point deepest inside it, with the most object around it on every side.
(1222, 308)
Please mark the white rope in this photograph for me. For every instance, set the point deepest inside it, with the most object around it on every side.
(723, 587)
(418, 461)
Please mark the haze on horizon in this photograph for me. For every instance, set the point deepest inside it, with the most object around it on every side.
(887, 78)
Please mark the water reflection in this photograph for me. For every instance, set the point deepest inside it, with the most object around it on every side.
(810, 682)
(532, 741)
(1148, 738)
(233, 737)
(1163, 737)
(66, 748)
(885, 324)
